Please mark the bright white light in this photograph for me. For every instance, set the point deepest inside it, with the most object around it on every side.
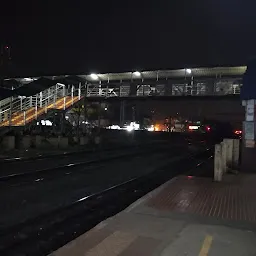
(63, 85)
(150, 128)
(129, 128)
(45, 122)
(67, 117)
(188, 70)
(132, 126)
(193, 127)
(82, 199)
(137, 73)
(28, 79)
(135, 126)
(114, 127)
(94, 76)
(48, 123)
(106, 109)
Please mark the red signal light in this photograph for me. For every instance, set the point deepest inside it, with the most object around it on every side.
(208, 128)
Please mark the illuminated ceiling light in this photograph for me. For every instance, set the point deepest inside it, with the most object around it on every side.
(94, 76)
(137, 73)
(188, 70)
(27, 79)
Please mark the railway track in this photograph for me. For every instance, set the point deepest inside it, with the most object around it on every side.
(47, 232)
(76, 165)
(89, 151)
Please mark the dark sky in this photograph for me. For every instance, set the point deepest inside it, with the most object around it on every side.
(81, 36)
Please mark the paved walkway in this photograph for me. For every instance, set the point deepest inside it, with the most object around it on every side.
(186, 216)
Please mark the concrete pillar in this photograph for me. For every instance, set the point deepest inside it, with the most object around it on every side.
(8, 142)
(229, 150)
(26, 142)
(217, 163)
(236, 153)
(76, 139)
(53, 141)
(63, 142)
(224, 156)
(84, 140)
(38, 141)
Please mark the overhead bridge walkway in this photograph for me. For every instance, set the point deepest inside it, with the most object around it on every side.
(22, 110)
(39, 95)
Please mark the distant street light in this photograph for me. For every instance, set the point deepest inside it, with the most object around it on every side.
(94, 76)
(105, 108)
(188, 71)
(137, 73)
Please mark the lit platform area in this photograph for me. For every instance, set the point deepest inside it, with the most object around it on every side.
(185, 216)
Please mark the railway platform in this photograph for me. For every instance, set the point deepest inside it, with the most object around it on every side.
(186, 216)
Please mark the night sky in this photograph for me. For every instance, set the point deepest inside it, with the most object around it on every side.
(58, 37)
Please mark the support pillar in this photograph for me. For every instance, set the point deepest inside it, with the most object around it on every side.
(10, 112)
(62, 121)
(24, 117)
(122, 113)
(79, 91)
(224, 156)
(36, 107)
(229, 152)
(31, 101)
(55, 96)
(72, 94)
(248, 97)
(41, 99)
(248, 141)
(85, 113)
(99, 115)
(64, 97)
(21, 104)
(236, 153)
(217, 163)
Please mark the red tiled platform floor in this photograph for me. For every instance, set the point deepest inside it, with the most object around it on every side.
(232, 199)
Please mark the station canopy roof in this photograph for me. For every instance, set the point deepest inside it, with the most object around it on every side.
(168, 74)
(137, 75)
(33, 85)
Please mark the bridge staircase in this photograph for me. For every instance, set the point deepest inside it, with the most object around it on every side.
(21, 110)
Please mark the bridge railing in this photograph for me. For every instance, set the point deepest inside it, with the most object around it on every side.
(20, 110)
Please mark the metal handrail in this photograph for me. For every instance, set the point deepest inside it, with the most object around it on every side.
(21, 110)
